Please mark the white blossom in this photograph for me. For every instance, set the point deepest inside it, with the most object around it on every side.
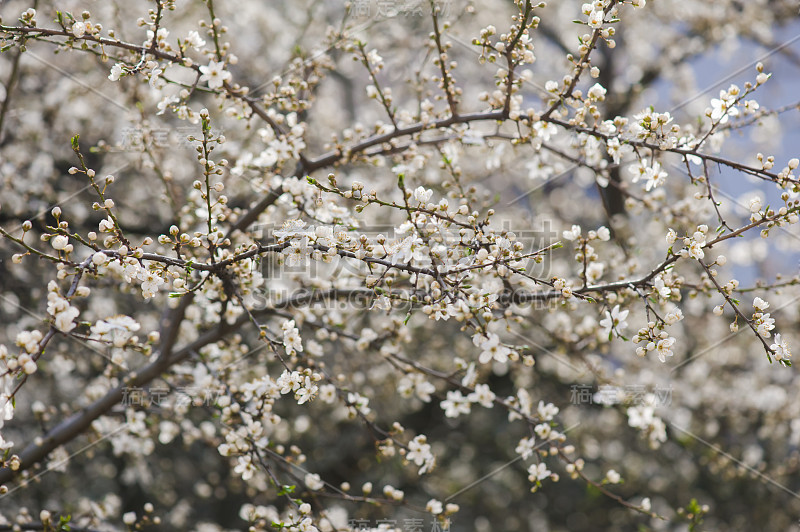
(215, 74)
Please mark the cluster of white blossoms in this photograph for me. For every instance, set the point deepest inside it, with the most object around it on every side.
(592, 269)
(60, 309)
(653, 174)
(132, 270)
(30, 342)
(446, 258)
(595, 12)
(357, 404)
(419, 452)
(456, 404)
(657, 340)
(642, 416)
(763, 322)
(292, 341)
(693, 244)
(118, 330)
(652, 126)
(129, 435)
(263, 517)
(303, 385)
(724, 107)
(415, 384)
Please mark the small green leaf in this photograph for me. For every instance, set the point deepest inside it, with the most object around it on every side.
(288, 488)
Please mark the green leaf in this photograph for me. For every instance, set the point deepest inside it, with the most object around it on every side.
(63, 522)
(74, 142)
(288, 488)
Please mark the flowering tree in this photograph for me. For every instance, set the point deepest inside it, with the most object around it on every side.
(394, 265)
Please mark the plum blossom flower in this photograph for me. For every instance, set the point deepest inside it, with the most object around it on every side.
(422, 195)
(525, 447)
(538, 472)
(764, 325)
(614, 320)
(596, 18)
(642, 416)
(491, 348)
(696, 250)
(59, 307)
(661, 287)
(672, 236)
(419, 452)
(435, 507)
(117, 329)
(215, 74)
(194, 40)
(653, 173)
(724, 107)
(79, 29)
(573, 233)
(546, 411)
(545, 130)
(673, 316)
(655, 176)
(482, 395)
(290, 229)
(155, 81)
(116, 72)
(151, 282)
(663, 348)
(597, 92)
(613, 477)
(455, 404)
(292, 341)
(781, 348)
(29, 340)
(245, 467)
(358, 402)
(313, 481)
